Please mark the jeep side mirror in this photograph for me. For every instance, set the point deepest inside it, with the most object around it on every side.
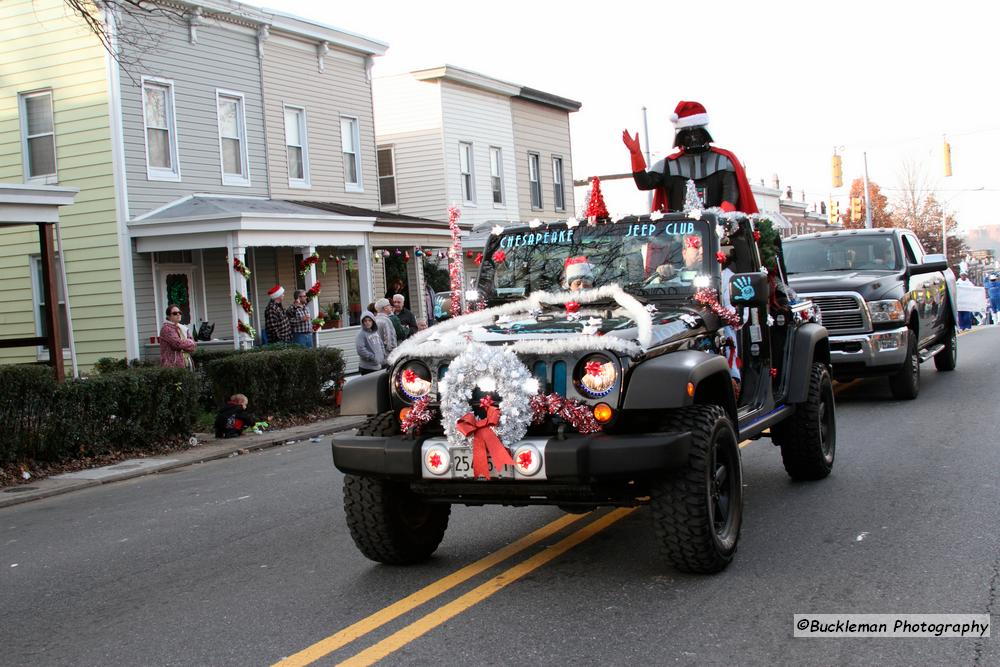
(749, 290)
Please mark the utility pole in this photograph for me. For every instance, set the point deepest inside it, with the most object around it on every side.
(868, 201)
(645, 131)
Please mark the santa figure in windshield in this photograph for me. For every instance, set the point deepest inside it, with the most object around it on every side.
(717, 173)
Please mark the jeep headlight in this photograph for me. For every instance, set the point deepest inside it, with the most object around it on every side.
(595, 376)
(413, 380)
(890, 310)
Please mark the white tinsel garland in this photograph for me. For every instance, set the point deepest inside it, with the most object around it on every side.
(632, 307)
(493, 367)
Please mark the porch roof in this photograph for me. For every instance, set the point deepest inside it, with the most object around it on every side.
(218, 221)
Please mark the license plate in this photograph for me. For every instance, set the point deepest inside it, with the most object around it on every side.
(461, 465)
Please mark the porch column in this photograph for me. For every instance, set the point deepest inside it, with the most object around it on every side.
(238, 283)
(310, 280)
(365, 283)
(418, 294)
(51, 294)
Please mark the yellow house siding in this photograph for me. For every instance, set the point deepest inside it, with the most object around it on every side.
(42, 46)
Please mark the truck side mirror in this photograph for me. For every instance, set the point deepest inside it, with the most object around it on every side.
(749, 290)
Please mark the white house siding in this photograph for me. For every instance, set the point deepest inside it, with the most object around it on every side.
(292, 77)
(543, 130)
(484, 119)
(217, 294)
(408, 117)
(225, 57)
(345, 340)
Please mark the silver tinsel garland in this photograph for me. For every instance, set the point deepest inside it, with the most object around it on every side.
(492, 369)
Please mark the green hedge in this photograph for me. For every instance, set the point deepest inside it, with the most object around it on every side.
(95, 415)
(282, 381)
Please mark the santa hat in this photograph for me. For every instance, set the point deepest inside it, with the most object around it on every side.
(276, 292)
(689, 114)
(576, 267)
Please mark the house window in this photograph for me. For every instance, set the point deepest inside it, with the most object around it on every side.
(233, 139)
(534, 182)
(387, 175)
(38, 138)
(297, 148)
(161, 130)
(351, 140)
(559, 196)
(465, 168)
(41, 308)
(496, 174)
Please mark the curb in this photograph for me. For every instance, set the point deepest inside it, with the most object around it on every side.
(222, 449)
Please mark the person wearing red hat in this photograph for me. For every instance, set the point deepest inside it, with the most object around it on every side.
(578, 273)
(277, 328)
(716, 172)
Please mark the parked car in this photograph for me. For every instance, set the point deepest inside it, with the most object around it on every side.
(617, 395)
(887, 304)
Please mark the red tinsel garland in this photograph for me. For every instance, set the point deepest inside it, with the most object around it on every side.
(455, 261)
(577, 414)
(707, 296)
(307, 262)
(419, 415)
(313, 291)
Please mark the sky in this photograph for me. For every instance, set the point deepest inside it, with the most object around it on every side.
(784, 83)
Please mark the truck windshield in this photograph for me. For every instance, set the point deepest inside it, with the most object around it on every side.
(668, 256)
(841, 253)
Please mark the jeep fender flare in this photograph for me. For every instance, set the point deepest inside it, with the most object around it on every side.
(662, 382)
(811, 345)
(366, 395)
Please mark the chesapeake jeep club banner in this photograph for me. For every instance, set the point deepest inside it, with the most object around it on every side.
(971, 298)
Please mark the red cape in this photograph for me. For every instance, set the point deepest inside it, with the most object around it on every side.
(747, 203)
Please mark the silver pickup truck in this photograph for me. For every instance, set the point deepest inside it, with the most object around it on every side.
(887, 305)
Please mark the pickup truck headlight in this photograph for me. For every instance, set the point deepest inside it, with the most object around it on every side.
(890, 310)
(413, 379)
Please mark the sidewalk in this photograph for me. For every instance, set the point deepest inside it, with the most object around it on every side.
(208, 449)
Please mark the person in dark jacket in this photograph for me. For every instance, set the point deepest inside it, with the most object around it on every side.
(407, 322)
(371, 351)
(233, 418)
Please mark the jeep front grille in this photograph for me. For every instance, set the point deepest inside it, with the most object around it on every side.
(843, 312)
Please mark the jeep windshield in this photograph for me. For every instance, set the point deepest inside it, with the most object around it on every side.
(867, 252)
(671, 256)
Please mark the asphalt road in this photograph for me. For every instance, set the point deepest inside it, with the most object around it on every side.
(247, 560)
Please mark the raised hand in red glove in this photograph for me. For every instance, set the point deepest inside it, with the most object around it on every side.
(638, 162)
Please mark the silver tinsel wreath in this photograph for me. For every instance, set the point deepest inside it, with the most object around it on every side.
(499, 370)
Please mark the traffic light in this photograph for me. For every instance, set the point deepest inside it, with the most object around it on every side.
(947, 159)
(833, 212)
(855, 209)
(838, 174)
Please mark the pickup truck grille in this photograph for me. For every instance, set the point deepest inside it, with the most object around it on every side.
(843, 312)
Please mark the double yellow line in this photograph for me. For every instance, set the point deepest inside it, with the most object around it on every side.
(435, 618)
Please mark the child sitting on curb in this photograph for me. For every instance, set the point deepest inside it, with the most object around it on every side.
(233, 418)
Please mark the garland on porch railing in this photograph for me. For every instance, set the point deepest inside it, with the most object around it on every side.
(243, 302)
(307, 262)
(318, 323)
(245, 328)
(240, 267)
(313, 291)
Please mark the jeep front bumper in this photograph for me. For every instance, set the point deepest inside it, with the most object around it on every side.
(878, 350)
(579, 459)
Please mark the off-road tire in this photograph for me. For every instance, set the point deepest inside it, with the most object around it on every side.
(808, 439)
(390, 524)
(686, 503)
(905, 385)
(947, 359)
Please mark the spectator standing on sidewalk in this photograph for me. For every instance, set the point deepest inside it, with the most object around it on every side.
(175, 345)
(276, 324)
(964, 316)
(300, 320)
(407, 322)
(371, 351)
(383, 320)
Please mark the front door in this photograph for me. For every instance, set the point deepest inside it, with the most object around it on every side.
(176, 286)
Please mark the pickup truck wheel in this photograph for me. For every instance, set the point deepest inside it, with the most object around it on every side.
(905, 385)
(947, 359)
(698, 510)
(390, 524)
(808, 439)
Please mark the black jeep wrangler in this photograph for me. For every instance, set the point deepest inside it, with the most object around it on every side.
(637, 390)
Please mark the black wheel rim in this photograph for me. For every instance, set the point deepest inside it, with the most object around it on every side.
(724, 490)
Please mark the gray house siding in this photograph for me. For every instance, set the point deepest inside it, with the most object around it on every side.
(147, 319)
(292, 77)
(545, 131)
(217, 308)
(232, 52)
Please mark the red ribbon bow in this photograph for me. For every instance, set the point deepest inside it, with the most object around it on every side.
(484, 439)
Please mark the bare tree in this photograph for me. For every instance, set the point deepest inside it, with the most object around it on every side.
(126, 28)
(917, 208)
